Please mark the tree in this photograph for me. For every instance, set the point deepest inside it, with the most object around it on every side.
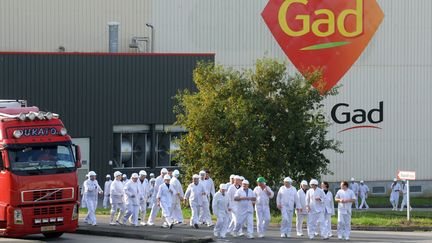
(260, 122)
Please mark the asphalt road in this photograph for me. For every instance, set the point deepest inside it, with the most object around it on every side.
(72, 238)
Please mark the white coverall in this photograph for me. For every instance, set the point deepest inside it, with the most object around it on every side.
(132, 197)
(220, 210)
(328, 212)
(233, 206)
(344, 213)
(394, 195)
(144, 190)
(91, 190)
(287, 197)
(117, 199)
(151, 197)
(404, 194)
(301, 215)
(83, 196)
(155, 209)
(262, 208)
(363, 192)
(315, 201)
(245, 211)
(194, 195)
(177, 213)
(205, 215)
(166, 197)
(354, 186)
(107, 187)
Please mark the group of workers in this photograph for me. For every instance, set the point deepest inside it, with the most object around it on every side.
(234, 204)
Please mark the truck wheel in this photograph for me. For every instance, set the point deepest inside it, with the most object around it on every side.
(53, 235)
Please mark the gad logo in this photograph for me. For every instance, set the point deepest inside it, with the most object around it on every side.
(325, 34)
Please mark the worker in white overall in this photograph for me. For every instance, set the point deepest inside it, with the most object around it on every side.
(144, 190)
(328, 208)
(287, 201)
(133, 197)
(394, 195)
(301, 215)
(164, 199)
(106, 191)
(344, 197)
(262, 206)
(245, 198)
(193, 194)
(155, 209)
(233, 206)
(354, 186)
(117, 198)
(363, 194)
(91, 192)
(177, 213)
(315, 206)
(205, 215)
(221, 211)
(151, 197)
(404, 194)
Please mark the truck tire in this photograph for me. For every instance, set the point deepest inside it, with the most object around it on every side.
(52, 235)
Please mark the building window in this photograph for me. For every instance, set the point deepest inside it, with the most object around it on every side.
(131, 146)
(166, 137)
(416, 189)
(378, 190)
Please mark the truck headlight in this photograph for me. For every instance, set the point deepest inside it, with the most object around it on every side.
(18, 216)
(75, 212)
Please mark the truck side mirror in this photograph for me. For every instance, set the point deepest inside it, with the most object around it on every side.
(77, 156)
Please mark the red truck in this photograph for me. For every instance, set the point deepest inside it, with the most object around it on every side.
(38, 173)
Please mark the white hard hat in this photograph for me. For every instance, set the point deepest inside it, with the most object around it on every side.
(303, 182)
(242, 178)
(232, 176)
(167, 177)
(288, 179)
(237, 177)
(313, 182)
(395, 179)
(164, 170)
(352, 179)
(195, 176)
(176, 173)
(124, 176)
(246, 182)
(151, 174)
(108, 176)
(201, 173)
(92, 173)
(152, 179)
(361, 181)
(134, 175)
(142, 172)
(223, 186)
(117, 173)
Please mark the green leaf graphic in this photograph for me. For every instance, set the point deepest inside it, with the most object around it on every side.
(325, 45)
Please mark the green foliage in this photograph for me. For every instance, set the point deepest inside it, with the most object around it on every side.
(259, 122)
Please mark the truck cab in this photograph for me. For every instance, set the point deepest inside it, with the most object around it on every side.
(38, 173)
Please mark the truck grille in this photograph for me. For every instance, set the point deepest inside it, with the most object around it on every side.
(48, 195)
(47, 211)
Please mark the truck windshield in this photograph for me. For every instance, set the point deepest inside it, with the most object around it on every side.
(36, 160)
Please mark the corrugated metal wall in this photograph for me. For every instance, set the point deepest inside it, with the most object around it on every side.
(78, 25)
(92, 93)
(395, 68)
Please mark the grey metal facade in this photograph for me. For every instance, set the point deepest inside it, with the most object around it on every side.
(94, 92)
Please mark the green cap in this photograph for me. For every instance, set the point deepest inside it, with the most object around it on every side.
(261, 180)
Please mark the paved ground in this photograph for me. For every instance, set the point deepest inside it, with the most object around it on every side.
(73, 238)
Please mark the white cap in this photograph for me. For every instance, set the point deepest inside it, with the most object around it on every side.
(395, 179)
(164, 170)
(361, 181)
(108, 176)
(134, 175)
(124, 176)
(237, 177)
(176, 173)
(352, 179)
(117, 173)
(232, 176)
(242, 178)
(195, 176)
(92, 173)
(202, 173)
(303, 182)
(223, 186)
(142, 172)
(167, 177)
(288, 179)
(152, 179)
(152, 174)
(313, 182)
(246, 182)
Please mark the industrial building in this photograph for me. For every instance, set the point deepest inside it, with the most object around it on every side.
(391, 77)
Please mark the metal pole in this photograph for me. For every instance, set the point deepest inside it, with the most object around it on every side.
(408, 200)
